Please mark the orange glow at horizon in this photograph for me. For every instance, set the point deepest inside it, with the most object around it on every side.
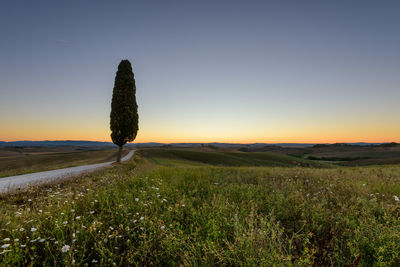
(299, 136)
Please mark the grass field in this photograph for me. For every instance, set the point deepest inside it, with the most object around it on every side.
(223, 158)
(28, 160)
(341, 154)
(168, 208)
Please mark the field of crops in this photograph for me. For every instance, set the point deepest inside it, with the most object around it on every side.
(28, 160)
(187, 208)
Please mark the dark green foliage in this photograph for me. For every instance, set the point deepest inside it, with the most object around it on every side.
(124, 117)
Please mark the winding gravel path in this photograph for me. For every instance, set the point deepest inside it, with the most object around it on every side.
(11, 183)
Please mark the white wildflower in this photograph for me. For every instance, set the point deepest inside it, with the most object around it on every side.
(162, 227)
(142, 218)
(136, 199)
(33, 229)
(396, 198)
(65, 248)
(5, 246)
(6, 239)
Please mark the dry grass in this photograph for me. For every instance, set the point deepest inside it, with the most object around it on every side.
(36, 161)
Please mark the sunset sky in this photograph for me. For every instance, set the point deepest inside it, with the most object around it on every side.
(206, 71)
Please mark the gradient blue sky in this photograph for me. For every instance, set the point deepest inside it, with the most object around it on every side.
(226, 71)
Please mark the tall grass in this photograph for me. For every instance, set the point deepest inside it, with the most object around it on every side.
(179, 215)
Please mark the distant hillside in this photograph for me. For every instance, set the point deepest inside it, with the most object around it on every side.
(56, 143)
(230, 158)
(84, 143)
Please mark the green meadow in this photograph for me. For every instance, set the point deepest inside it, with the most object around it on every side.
(192, 207)
(17, 161)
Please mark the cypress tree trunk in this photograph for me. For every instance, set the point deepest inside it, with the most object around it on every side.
(119, 154)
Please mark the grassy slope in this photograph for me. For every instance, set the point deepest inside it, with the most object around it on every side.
(174, 214)
(231, 158)
(28, 163)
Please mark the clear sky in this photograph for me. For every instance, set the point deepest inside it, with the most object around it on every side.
(224, 71)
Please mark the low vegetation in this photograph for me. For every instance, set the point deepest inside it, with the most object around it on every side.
(229, 158)
(29, 160)
(172, 210)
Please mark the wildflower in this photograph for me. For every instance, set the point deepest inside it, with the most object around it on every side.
(6, 239)
(65, 222)
(65, 248)
(42, 240)
(363, 184)
(164, 200)
(55, 242)
(21, 229)
(16, 240)
(92, 212)
(30, 200)
(94, 261)
(72, 210)
(33, 229)
(142, 218)
(5, 246)
(136, 199)
(23, 246)
(77, 217)
(183, 205)
(396, 198)
(162, 227)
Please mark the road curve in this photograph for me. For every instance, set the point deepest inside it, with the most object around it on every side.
(12, 183)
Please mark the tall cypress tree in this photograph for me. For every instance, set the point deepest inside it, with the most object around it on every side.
(124, 117)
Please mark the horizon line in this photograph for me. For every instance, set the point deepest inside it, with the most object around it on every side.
(245, 143)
